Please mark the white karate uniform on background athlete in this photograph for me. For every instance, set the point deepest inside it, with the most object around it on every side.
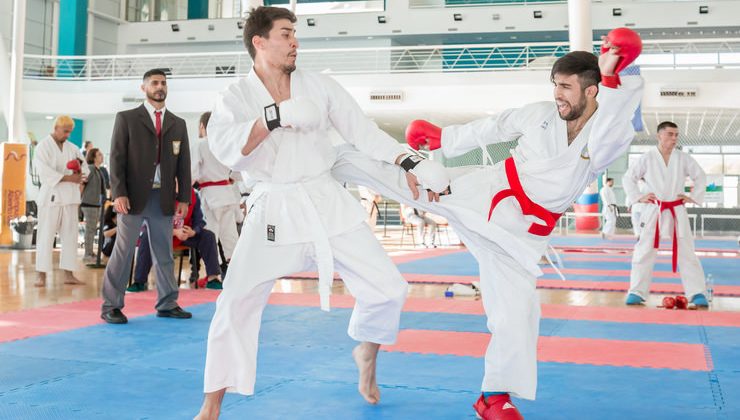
(636, 208)
(299, 217)
(552, 173)
(220, 202)
(58, 203)
(666, 182)
(609, 210)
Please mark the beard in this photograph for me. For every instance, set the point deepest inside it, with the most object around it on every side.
(288, 68)
(575, 110)
(157, 96)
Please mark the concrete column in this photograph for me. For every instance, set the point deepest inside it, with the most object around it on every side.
(14, 163)
(90, 28)
(580, 31)
(16, 120)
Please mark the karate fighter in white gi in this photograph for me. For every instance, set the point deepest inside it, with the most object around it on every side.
(609, 209)
(273, 127)
(665, 169)
(58, 200)
(505, 213)
(219, 197)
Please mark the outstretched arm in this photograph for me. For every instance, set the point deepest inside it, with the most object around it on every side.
(460, 139)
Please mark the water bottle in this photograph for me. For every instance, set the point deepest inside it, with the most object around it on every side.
(710, 287)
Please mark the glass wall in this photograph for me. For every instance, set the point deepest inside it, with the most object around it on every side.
(722, 166)
(156, 10)
(161, 10)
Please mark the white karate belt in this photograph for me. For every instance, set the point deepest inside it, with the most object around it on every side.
(320, 238)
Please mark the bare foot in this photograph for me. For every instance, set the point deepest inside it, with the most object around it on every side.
(365, 355)
(69, 278)
(40, 280)
(211, 405)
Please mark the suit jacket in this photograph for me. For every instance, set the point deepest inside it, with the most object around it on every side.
(133, 159)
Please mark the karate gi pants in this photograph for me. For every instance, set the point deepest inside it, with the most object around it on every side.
(222, 222)
(367, 271)
(53, 219)
(512, 307)
(643, 261)
(419, 224)
(635, 218)
(508, 289)
(610, 221)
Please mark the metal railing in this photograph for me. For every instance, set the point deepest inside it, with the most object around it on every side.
(699, 53)
(424, 4)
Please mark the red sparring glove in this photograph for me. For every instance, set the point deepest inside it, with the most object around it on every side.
(669, 302)
(423, 133)
(682, 302)
(74, 166)
(629, 47)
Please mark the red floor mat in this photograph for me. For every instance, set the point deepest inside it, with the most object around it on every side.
(587, 351)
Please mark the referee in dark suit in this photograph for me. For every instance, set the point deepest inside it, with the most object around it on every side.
(150, 181)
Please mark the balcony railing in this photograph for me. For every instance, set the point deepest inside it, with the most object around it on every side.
(677, 54)
(422, 4)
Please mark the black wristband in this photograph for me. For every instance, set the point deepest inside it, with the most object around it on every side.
(410, 162)
(272, 116)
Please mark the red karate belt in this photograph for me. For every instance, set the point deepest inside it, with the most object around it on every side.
(668, 205)
(529, 208)
(212, 183)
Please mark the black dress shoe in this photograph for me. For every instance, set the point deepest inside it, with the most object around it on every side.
(175, 312)
(115, 316)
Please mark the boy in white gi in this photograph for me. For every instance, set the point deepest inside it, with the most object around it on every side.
(505, 213)
(665, 170)
(273, 126)
(608, 209)
(58, 200)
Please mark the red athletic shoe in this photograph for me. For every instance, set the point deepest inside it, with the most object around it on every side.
(496, 407)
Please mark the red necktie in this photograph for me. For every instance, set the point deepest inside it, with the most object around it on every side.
(158, 128)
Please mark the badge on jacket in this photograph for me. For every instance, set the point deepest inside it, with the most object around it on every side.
(176, 147)
(271, 233)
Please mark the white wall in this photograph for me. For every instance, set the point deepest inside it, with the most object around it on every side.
(6, 21)
(448, 98)
(39, 26)
(39, 126)
(39, 23)
(448, 91)
(105, 21)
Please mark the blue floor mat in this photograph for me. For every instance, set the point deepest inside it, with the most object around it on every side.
(152, 368)
(576, 241)
(724, 271)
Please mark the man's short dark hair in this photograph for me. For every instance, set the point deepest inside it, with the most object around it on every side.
(87, 143)
(204, 119)
(260, 22)
(666, 124)
(154, 72)
(609, 179)
(90, 155)
(582, 63)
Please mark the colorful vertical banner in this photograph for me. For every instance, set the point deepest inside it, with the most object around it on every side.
(13, 199)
